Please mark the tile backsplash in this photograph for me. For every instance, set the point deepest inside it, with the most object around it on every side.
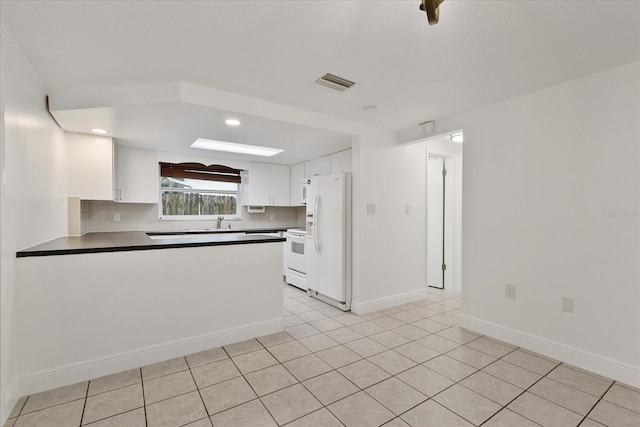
(73, 216)
(144, 217)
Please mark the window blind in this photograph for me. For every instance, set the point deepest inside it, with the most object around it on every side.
(200, 171)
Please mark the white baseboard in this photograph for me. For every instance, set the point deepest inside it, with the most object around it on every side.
(601, 365)
(90, 369)
(11, 398)
(387, 302)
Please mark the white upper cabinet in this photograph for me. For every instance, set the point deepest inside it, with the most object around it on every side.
(90, 166)
(137, 178)
(341, 161)
(268, 185)
(320, 166)
(296, 177)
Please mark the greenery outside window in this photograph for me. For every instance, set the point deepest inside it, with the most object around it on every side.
(196, 191)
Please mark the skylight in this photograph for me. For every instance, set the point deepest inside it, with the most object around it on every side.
(232, 147)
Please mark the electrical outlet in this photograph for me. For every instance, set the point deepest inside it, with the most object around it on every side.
(567, 305)
(371, 208)
(272, 217)
(116, 216)
(407, 209)
(510, 291)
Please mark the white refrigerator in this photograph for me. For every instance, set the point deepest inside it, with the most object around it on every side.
(328, 240)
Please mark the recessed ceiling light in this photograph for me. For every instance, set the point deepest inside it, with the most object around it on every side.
(232, 147)
(232, 122)
(370, 108)
(457, 137)
(100, 131)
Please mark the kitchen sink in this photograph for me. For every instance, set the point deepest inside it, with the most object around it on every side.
(188, 234)
(204, 230)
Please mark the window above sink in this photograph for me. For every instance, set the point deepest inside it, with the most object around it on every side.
(199, 192)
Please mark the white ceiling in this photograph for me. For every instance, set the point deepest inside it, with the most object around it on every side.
(480, 53)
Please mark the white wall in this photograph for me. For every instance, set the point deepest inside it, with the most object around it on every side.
(551, 199)
(33, 177)
(91, 315)
(389, 246)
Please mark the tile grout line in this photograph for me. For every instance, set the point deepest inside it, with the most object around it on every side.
(596, 404)
(571, 387)
(144, 400)
(245, 379)
(350, 325)
(206, 411)
(512, 400)
(84, 407)
(459, 381)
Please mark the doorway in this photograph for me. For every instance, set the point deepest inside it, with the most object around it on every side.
(443, 214)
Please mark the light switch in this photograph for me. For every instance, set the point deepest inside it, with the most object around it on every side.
(510, 291)
(567, 305)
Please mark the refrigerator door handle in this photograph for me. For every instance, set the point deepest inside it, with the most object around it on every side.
(317, 223)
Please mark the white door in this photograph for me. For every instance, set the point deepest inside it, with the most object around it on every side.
(435, 235)
(440, 222)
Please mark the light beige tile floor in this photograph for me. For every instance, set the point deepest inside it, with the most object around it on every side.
(409, 365)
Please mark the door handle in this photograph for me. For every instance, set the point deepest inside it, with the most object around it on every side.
(317, 224)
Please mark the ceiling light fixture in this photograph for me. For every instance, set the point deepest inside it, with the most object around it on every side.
(432, 9)
(99, 131)
(370, 108)
(232, 122)
(232, 147)
(457, 137)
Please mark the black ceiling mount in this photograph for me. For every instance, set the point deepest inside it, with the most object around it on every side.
(431, 7)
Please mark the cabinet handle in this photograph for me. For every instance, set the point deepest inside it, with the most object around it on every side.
(120, 194)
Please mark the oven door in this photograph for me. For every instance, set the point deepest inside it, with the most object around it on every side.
(295, 253)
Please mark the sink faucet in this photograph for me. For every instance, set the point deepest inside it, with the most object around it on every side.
(219, 222)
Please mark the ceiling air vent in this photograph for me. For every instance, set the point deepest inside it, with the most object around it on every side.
(334, 82)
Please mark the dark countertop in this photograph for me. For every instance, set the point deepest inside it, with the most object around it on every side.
(140, 240)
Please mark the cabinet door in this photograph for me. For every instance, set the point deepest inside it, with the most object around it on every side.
(279, 185)
(296, 176)
(320, 166)
(90, 166)
(341, 161)
(137, 175)
(268, 185)
(259, 185)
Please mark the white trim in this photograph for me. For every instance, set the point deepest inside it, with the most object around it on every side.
(598, 364)
(59, 376)
(11, 398)
(387, 302)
